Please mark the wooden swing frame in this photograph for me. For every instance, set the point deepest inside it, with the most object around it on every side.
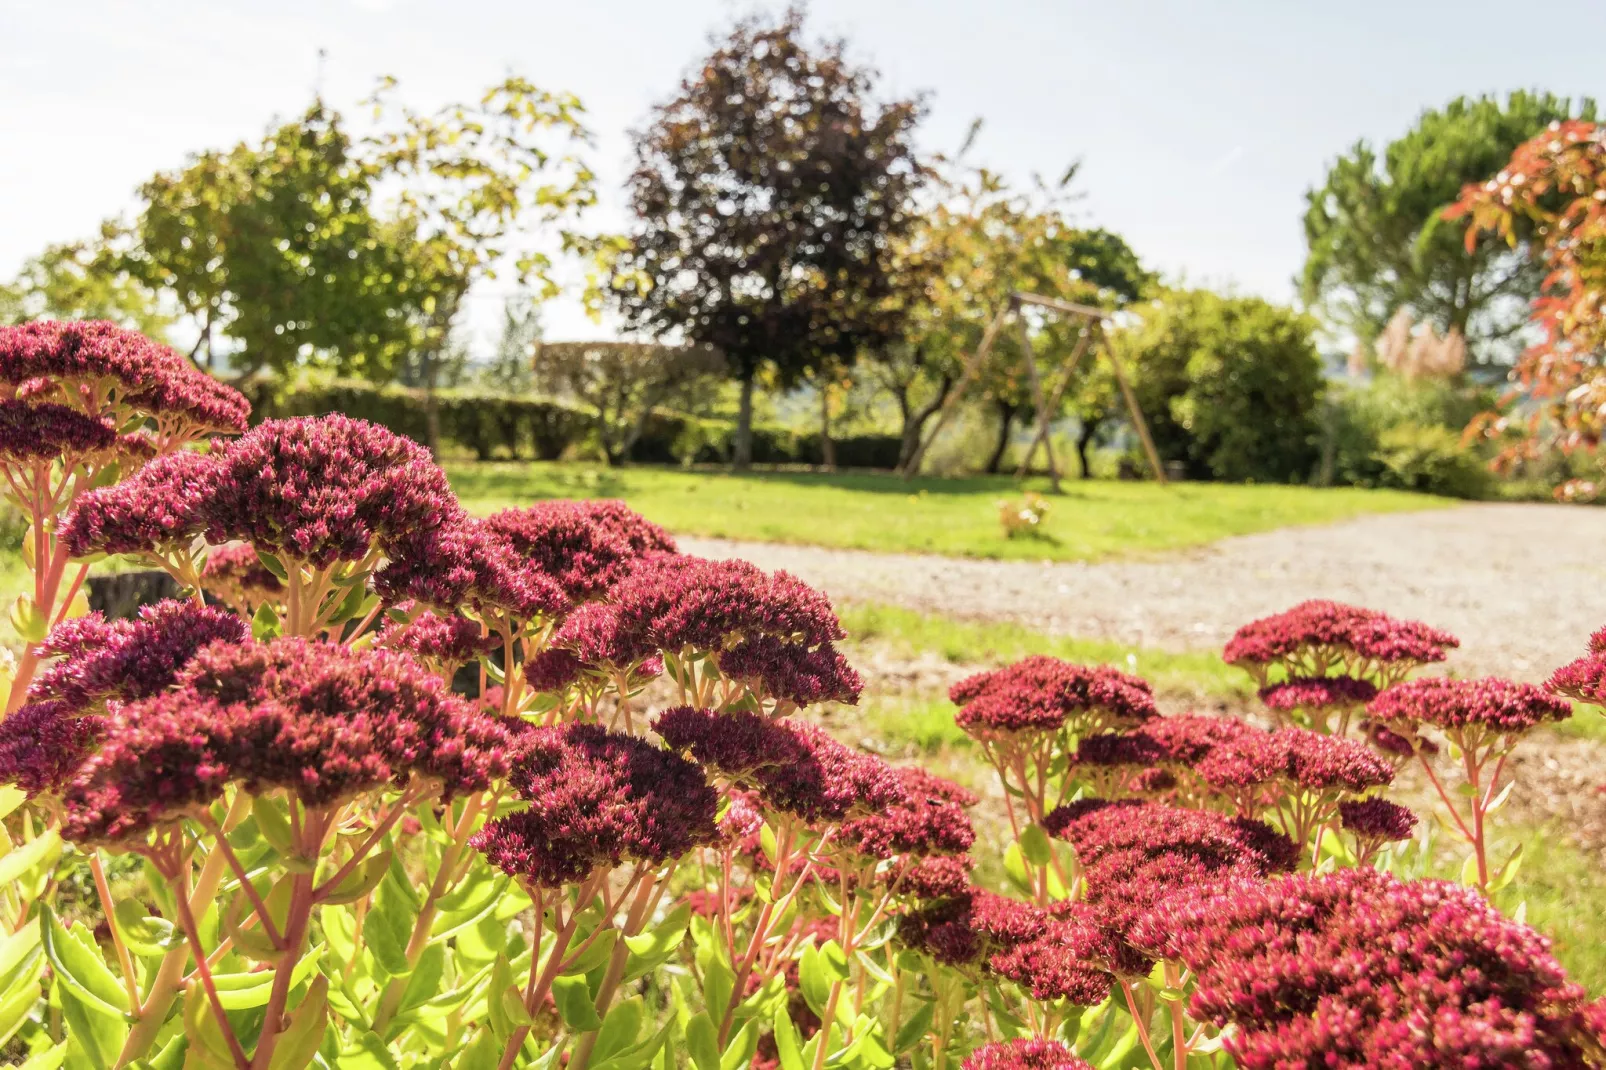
(1046, 405)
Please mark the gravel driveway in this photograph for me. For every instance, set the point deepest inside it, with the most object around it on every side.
(1522, 585)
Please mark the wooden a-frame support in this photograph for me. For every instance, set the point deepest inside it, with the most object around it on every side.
(1046, 405)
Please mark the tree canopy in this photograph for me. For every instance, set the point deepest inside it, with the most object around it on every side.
(768, 194)
(1377, 242)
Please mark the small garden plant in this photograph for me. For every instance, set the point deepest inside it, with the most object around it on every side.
(393, 786)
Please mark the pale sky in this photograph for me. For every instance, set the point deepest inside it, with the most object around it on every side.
(1200, 124)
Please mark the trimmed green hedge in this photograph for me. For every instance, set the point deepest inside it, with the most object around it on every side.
(493, 425)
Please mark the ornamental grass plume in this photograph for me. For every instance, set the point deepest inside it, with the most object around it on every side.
(317, 719)
(597, 798)
(1317, 638)
(1361, 969)
(795, 768)
(1024, 1053)
(1484, 719)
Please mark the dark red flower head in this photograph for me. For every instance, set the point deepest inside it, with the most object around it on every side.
(42, 744)
(1026, 1053)
(1376, 820)
(928, 822)
(101, 660)
(1044, 694)
(1332, 631)
(156, 510)
(688, 603)
(1360, 969)
(933, 877)
(442, 643)
(586, 546)
(1502, 706)
(1063, 962)
(968, 928)
(597, 798)
(318, 719)
(465, 565)
(72, 361)
(44, 431)
(1583, 680)
(325, 489)
(795, 767)
(1318, 693)
(235, 574)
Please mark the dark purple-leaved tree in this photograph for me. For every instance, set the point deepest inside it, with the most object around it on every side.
(769, 194)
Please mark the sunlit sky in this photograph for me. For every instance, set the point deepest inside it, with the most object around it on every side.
(1200, 124)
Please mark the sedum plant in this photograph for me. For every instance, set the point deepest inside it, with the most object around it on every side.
(391, 786)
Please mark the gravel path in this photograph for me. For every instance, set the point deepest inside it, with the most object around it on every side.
(1522, 585)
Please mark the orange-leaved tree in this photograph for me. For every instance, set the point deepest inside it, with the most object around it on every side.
(1554, 190)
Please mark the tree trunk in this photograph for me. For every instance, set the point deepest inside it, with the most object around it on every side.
(1084, 439)
(742, 453)
(1006, 414)
(915, 420)
(827, 444)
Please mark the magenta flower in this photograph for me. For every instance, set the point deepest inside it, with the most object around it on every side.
(1315, 637)
(1375, 822)
(586, 546)
(597, 798)
(967, 929)
(98, 365)
(794, 767)
(1583, 680)
(43, 431)
(1490, 704)
(42, 745)
(1044, 694)
(1318, 693)
(155, 511)
(317, 719)
(1025, 1053)
(443, 643)
(323, 489)
(934, 877)
(928, 822)
(100, 660)
(465, 565)
(1359, 969)
(236, 575)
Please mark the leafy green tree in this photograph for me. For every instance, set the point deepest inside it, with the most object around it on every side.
(510, 370)
(769, 193)
(1230, 386)
(77, 281)
(982, 243)
(1377, 242)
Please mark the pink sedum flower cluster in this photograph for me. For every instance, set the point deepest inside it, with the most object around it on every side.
(1493, 705)
(1359, 969)
(1026, 1053)
(315, 718)
(1043, 694)
(1316, 637)
(597, 798)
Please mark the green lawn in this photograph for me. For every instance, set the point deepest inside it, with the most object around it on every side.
(957, 517)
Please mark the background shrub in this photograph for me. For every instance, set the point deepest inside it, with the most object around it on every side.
(1432, 460)
(1229, 385)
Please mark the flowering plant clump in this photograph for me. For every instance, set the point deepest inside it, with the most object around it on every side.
(312, 841)
(1318, 639)
(1484, 720)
